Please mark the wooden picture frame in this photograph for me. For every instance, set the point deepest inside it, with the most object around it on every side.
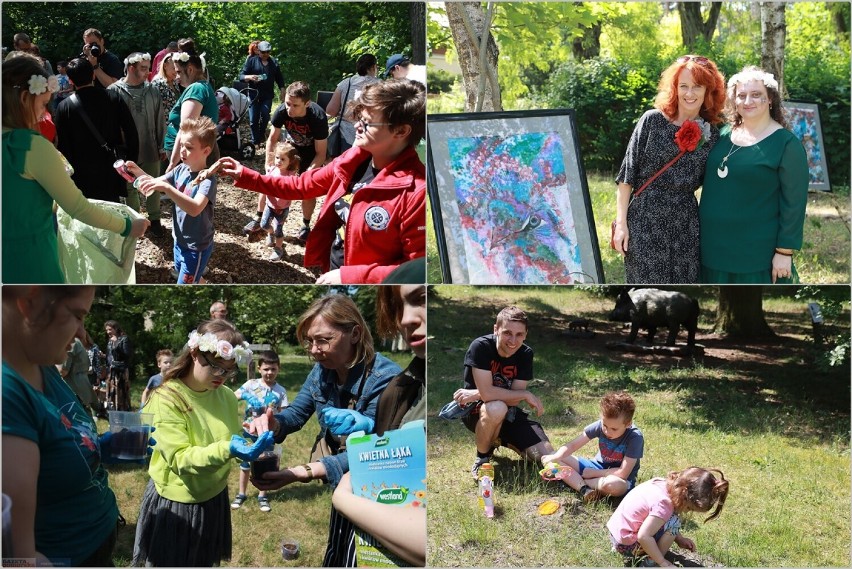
(510, 200)
(803, 119)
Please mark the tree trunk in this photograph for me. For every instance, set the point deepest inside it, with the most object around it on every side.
(467, 23)
(589, 45)
(740, 313)
(417, 11)
(692, 23)
(773, 27)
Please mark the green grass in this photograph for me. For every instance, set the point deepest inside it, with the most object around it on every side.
(299, 511)
(777, 427)
(824, 258)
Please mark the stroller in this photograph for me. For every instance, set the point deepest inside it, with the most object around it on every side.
(236, 139)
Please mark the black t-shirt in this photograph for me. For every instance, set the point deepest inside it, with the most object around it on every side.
(482, 354)
(364, 174)
(303, 131)
(111, 65)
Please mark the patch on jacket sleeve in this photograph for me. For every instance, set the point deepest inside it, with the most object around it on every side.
(377, 218)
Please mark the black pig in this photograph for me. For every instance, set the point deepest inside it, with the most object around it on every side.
(650, 308)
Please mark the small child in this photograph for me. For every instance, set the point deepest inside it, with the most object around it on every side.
(286, 164)
(620, 446)
(226, 114)
(184, 519)
(193, 200)
(260, 394)
(647, 521)
(65, 87)
(164, 362)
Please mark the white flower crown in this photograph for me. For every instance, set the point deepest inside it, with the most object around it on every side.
(133, 59)
(208, 342)
(38, 84)
(768, 79)
(183, 57)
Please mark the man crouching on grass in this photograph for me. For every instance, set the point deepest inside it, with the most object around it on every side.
(497, 368)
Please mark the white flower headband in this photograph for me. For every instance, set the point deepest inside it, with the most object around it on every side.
(133, 59)
(183, 57)
(38, 84)
(768, 79)
(208, 342)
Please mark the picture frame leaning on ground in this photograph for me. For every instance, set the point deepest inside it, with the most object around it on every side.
(805, 124)
(510, 200)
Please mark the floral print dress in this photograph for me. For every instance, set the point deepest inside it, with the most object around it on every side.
(663, 245)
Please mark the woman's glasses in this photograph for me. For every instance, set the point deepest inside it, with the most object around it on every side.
(362, 122)
(219, 371)
(321, 343)
(696, 58)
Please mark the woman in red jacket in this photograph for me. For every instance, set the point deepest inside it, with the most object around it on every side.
(373, 218)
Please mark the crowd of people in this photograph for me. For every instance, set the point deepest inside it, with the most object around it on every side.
(110, 130)
(735, 144)
(199, 434)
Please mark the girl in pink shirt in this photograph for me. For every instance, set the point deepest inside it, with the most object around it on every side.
(647, 522)
(277, 209)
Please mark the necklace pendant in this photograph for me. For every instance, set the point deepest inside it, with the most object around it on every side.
(722, 170)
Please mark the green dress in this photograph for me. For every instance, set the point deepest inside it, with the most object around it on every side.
(30, 250)
(758, 206)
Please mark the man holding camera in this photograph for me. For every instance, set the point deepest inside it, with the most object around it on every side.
(108, 67)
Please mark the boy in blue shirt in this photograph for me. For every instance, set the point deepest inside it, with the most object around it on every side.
(192, 226)
(620, 447)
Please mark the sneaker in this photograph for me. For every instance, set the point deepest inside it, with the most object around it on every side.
(263, 502)
(252, 226)
(238, 501)
(589, 494)
(480, 460)
(303, 233)
(276, 255)
(270, 242)
(156, 228)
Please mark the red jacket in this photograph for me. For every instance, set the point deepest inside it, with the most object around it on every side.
(387, 218)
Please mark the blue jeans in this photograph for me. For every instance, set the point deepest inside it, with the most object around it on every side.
(259, 116)
(270, 215)
(190, 264)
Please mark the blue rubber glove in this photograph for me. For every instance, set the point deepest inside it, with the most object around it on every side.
(252, 401)
(108, 439)
(244, 451)
(346, 421)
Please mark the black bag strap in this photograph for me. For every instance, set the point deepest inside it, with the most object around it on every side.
(343, 102)
(85, 116)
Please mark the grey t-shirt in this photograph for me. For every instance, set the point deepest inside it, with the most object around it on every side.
(611, 452)
(193, 233)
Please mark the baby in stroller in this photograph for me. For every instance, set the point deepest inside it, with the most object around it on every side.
(233, 130)
(277, 209)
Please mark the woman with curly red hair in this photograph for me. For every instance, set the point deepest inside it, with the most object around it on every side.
(656, 224)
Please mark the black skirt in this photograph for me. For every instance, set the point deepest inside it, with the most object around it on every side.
(174, 534)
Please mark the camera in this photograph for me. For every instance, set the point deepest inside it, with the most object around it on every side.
(94, 49)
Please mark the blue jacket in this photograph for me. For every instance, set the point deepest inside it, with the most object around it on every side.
(320, 390)
(254, 66)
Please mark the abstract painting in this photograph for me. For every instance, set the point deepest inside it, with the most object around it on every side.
(803, 119)
(509, 199)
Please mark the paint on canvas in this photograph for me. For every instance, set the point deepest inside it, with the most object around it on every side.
(514, 208)
(803, 123)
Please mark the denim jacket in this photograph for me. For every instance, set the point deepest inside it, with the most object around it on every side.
(320, 390)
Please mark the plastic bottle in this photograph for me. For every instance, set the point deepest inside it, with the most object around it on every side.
(486, 489)
(263, 76)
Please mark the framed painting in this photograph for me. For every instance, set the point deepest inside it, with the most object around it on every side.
(509, 199)
(804, 122)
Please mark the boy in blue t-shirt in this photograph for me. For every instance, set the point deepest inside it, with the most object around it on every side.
(620, 446)
(193, 198)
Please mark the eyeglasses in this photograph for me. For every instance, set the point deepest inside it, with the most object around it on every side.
(362, 122)
(696, 58)
(219, 371)
(321, 343)
(267, 51)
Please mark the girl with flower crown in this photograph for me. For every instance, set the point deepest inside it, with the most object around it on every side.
(185, 516)
(34, 176)
(755, 189)
(656, 222)
(197, 99)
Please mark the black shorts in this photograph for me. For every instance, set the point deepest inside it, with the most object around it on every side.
(520, 433)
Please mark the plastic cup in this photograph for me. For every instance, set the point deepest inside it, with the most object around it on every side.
(7, 527)
(268, 461)
(130, 433)
(290, 549)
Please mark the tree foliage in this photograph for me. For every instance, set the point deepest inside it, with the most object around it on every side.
(316, 42)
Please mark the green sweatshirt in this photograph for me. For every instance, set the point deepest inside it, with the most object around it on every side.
(191, 459)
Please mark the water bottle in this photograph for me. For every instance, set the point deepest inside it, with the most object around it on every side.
(263, 76)
(486, 489)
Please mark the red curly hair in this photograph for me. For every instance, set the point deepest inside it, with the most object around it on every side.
(704, 72)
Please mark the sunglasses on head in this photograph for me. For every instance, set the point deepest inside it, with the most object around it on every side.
(701, 60)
